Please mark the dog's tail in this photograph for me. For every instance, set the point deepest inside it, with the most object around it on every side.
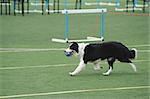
(133, 53)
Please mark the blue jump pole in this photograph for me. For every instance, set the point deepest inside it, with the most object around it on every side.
(109, 1)
(102, 25)
(135, 3)
(117, 3)
(14, 7)
(65, 7)
(34, 4)
(47, 5)
(65, 4)
(98, 1)
(67, 25)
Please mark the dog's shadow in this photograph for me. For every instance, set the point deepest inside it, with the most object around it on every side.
(113, 75)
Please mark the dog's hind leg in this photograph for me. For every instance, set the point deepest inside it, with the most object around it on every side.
(109, 71)
(133, 66)
(130, 62)
(110, 62)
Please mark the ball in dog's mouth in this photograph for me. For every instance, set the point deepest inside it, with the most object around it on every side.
(68, 52)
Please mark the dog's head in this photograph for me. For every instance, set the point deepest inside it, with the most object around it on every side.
(73, 48)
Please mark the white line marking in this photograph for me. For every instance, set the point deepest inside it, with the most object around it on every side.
(144, 51)
(74, 91)
(143, 45)
(46, 66)
(29, 49)
(36, 66)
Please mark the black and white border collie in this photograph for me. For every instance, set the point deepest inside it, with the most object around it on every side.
(93, 53)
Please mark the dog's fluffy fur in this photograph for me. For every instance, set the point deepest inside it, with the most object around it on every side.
(107, 50)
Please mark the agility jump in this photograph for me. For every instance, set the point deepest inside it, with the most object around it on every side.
(106, 3)
(56, 3)
(28, 7)
(81, 11)
(7, 4)
(134, 6)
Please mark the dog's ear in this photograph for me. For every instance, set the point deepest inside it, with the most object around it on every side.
(74, 46)
(75, 43)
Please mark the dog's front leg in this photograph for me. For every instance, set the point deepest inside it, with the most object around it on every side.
(78, 69)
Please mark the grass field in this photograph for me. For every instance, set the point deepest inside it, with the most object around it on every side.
(34, 67)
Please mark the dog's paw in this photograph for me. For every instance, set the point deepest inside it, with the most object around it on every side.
(105, 74)
(71, 74)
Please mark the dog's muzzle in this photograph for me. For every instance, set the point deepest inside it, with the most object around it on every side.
(68, 52)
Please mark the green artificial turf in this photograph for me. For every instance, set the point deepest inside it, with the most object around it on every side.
(40, 73)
